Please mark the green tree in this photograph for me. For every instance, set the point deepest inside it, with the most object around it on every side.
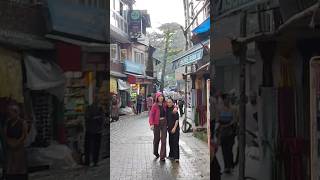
(169, 42)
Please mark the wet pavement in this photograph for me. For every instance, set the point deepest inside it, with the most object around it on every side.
(81, 173)
(251, 170)
(132, 158)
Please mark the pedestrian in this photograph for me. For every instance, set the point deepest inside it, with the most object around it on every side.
(139, 104)
(149, 102)
(158, 123)
(15, 132)
(115, 108)
(95, 120)
(172, 117)
(227, 118)
(181, 103)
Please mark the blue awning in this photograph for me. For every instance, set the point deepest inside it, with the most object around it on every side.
(203, 27)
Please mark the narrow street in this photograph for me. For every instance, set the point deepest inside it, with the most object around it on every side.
(132, 158)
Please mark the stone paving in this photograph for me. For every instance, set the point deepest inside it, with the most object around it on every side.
(82, 173)
(131, 155)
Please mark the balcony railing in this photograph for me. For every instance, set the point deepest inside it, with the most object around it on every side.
(118, 21)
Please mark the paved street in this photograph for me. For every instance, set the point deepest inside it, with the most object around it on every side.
(252, 166)
(82, 173)
(132, 158)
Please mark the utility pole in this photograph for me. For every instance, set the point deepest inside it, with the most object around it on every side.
(242, 134)
(186, 34)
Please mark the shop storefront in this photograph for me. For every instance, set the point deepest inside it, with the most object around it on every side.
(81, 53)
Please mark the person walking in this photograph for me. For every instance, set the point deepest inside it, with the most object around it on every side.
(149, 102)
(226, 117)
(95, 119)
(158, 124)
(181, 103)
(139, 104)
(172, 117)
(115, 108)
(15, 132)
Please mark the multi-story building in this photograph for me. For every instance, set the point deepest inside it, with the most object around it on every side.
(129, 51)
(283, 36)
(196, 60)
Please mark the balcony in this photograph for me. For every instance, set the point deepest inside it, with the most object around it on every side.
(119, 27)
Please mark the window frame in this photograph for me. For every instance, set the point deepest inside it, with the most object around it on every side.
(116, 56)
(123, 58)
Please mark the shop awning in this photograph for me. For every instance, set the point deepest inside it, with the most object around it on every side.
(136, 75)
(117, 74)
(76, 20)
(203, 27)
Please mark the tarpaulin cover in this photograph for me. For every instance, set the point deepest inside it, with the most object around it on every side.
(11, 75)
(45, 75)
(123, 85)
(203, 27)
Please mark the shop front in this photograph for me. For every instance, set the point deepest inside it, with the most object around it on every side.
(81, 53)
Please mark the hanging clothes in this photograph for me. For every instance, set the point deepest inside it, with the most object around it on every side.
(11, 75)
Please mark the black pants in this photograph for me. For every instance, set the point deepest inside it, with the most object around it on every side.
(17, 177)
(174, 144)
(215, 169)
(227, 145)
(181, 110)
(92, 147)
(139, 106)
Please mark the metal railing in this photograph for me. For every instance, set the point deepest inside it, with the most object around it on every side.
(118, 21)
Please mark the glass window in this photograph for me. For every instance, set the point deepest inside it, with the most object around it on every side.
(114, 52)
(124, 55)
(142, 59)
(121, 8)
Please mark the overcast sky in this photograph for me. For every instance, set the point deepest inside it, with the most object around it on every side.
(162, 11)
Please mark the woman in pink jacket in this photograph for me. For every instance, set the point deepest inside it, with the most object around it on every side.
(158, 124)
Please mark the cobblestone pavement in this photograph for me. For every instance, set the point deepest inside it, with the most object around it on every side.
(82, 173)
(131, 155)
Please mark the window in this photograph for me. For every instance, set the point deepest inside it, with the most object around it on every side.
(142, 59)
(121, 9)
(137, 57)
(123, 55)
(114, 52)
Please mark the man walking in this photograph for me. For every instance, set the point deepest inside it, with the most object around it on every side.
(95, 119)
(139, 104)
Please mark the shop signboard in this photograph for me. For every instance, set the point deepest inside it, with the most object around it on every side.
(135, 24)
(192, 57)
(132, 67)
(76, 19)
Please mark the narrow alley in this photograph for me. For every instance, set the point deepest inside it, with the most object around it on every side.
(132, 158)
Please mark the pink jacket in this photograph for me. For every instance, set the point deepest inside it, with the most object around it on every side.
(154, 115)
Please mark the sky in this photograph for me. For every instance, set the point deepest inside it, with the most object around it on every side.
(162, 11)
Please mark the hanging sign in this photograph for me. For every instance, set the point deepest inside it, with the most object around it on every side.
(135, 24)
